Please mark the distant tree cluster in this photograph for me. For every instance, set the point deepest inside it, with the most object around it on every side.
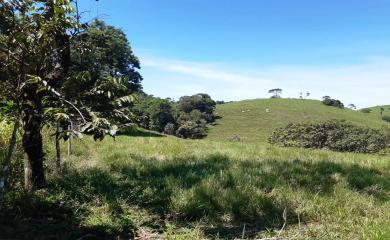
(186, 118)
(332, 102)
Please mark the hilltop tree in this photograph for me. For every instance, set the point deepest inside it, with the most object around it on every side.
(276, 92)
(352, 106)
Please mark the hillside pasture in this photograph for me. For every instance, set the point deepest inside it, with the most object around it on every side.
(253, 121)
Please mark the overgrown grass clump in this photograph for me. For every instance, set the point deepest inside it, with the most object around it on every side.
(147, 185)
(333, 135)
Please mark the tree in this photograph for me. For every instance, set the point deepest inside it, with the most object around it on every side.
(201, 102)
(35, 45)
(381, 110)
(276, 92)
(104, 76)
(352, 106)
(154, 113)
(44, 54)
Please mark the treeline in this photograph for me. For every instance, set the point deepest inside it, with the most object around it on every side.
(186, 118)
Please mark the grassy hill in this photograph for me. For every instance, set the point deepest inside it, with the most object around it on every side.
(250, 121)
(376, 111)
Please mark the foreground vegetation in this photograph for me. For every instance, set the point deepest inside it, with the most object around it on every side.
(167, 187)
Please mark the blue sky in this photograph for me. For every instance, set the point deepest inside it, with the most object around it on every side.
(240, 49)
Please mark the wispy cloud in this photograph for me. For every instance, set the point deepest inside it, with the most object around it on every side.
(362, 84)
(201, 70)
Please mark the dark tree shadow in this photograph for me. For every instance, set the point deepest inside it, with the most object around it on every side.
(139, 132)
(321, 177)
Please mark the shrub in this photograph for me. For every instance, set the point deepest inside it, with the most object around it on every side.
(192, 130)
(386, 118)
(333, 135)
(366, 110)
(332, 102)
(169, 129)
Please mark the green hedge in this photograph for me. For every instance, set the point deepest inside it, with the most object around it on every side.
(333, 135)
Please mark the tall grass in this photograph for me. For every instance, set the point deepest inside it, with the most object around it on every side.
(132, 185)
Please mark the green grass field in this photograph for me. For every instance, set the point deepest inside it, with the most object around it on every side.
(157, 187)
(163, 186)
(250, 121)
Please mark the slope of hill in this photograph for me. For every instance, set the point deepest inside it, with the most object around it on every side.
(377, 113)
(254, 120)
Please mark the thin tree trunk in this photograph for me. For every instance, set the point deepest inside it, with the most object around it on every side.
(34, 177)
(70, 127)
(7, 160)
(58, 148)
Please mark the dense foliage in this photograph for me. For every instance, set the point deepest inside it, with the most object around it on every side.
(55, 70)
(186, 118)
(333, 135)
(332, 102)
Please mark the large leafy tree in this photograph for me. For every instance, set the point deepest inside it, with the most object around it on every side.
(104, 72)
(52, 69)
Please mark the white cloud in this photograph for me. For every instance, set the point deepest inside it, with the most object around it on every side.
(362, 84)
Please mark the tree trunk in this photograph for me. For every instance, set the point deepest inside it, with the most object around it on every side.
(7, 160)
(58, 148)
(70, 127)
(34, 177)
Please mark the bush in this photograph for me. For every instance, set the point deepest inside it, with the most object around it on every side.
(191, 130)
(386, 118)
(169, 129)
(333, 135)
(366, 110)
(332, 102)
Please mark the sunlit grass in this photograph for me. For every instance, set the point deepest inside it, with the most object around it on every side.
(250, 122)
